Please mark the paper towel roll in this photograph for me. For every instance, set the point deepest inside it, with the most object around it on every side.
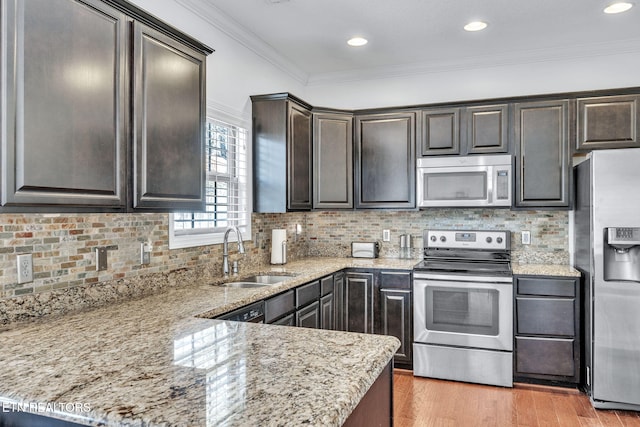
(278, 246)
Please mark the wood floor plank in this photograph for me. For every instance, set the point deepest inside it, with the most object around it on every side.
(427, 402)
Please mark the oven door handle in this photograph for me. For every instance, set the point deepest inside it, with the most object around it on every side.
(417, 275)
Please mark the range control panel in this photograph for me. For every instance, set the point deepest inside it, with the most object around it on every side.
(468, 239)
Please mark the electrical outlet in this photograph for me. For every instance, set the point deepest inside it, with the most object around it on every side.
(145, 253)
(386, 235)
(526, 237)
(25, 268)
(101, 259)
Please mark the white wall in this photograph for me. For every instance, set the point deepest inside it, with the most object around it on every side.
(233, 71)
(603, 72)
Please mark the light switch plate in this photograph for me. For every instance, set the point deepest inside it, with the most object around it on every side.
(386, 235)
(25, 268)
(526, 237)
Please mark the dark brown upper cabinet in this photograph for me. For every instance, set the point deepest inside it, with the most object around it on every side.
(282, 153)
(385, 160)
(66, 139)
(332, 161)
(440, 131)
(487, 128)
(542, 154)
(607, 122)
(481, 129)
(169, 114)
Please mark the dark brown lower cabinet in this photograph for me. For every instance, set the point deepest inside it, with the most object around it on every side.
(309, 316)
(359, 301)
(327, 308)
(395, 314)
(547, 329)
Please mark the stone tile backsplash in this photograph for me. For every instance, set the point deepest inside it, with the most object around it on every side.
(63, 246)
(331, 233)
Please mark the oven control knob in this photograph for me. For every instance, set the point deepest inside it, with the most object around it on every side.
(489, 239)
(499, 240)
(443, 239)
(434, 238)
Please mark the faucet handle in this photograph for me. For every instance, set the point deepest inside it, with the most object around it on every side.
(235, 267)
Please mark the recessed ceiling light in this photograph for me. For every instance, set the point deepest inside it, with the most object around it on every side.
(357, 41)
(618, 7)
(475, 26)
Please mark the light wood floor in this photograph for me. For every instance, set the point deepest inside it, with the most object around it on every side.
(429, 402)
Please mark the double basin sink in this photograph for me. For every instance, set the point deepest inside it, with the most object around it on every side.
(258, 281)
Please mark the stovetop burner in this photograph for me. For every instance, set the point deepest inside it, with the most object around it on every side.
(484, 253)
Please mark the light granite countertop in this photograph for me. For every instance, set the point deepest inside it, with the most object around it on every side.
(544, 270)
(156, 361)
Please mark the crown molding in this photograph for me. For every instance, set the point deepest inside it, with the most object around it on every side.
(223, 22)
(558, 54)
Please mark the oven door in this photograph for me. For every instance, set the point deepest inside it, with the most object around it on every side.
(463, 311)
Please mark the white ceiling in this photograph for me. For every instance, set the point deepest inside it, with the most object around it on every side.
(307, 38)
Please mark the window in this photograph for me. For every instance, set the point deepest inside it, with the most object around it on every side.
(227, 195)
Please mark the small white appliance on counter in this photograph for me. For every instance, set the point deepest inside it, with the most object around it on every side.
(278, 246)
(607, 242)
(463, 307)
(464, 181)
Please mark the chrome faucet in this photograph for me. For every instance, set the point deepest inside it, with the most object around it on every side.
(225, 248)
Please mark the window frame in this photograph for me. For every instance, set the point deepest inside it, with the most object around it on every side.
(194, 238)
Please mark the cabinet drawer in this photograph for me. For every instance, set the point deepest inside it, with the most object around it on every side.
(545, 356)
(395, 280)
(545, 316)
(326, 285)
(546, 287)
(307, 293)
(279, 306)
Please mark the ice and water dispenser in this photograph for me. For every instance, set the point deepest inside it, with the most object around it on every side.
(622, 254)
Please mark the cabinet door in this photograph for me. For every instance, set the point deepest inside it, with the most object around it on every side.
(385, 161)
(289, 320)
(299, 158)
(359, 288)
(327, 312)
(65, 87)
(396, 320)
(440, 132)
(542, 154)
(309, 316)
(169, 115)
(332, 161)
(608, 122)
(487, 129)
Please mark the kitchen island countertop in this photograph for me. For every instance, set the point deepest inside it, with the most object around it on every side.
(154, 361)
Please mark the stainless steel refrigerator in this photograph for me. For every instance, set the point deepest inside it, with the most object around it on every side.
(607, 251)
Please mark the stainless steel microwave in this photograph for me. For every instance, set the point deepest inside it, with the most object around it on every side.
(464, 181)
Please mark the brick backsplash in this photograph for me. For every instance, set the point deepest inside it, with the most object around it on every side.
(331, 233)
(63, 246)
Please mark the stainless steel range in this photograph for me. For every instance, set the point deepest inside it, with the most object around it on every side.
(463, 307)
